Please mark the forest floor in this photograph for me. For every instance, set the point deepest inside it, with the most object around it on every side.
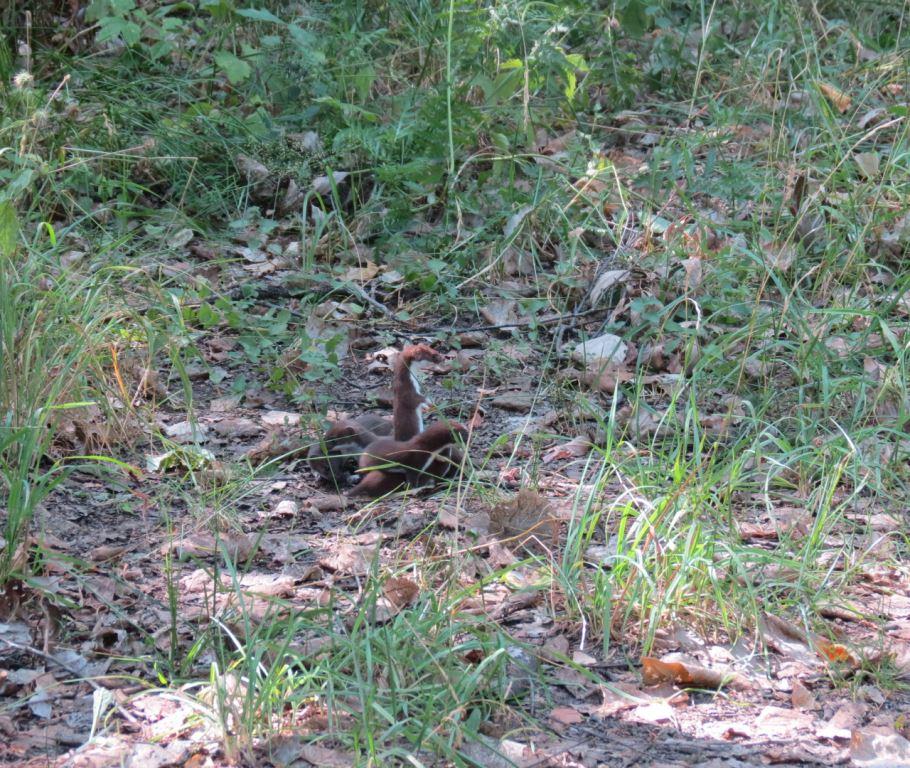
(688, 548)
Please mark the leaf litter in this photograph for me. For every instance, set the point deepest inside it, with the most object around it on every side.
(768, 698)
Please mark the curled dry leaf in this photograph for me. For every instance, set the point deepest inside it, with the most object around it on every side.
(680, 671)
(400, 591)
(606, 281)
(836, 96)
(362, 274)
(525, 519)
(563, 716)
(577, 447)
(500, 312)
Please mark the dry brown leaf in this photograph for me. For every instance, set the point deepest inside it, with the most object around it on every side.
(687, 673)
(362, 274)
(616, 699)
(577, 447)
(836, 96)
(525, 520)
(566, 716)
(400, 591)
(500, 312)
(801, 697)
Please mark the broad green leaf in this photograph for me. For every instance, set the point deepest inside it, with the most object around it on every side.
(131, 33)
(258, 14)
(236, 69)
(634, 18)
(18, 184)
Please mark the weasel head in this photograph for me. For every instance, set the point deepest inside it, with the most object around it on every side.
(414, 353)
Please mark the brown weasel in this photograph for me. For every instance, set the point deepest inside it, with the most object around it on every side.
(338, 453)
(336, 456)
(407, 399)
(389, 463)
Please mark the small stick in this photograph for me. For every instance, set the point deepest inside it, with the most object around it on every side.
(75, 673)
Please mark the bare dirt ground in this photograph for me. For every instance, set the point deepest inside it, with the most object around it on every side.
(804, 702)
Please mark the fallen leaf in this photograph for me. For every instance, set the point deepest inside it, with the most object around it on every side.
(500, 312)
(869, 164)
(577, 447)
(601, 351)
(566, 716)
(836, 96)
(400, 591)
(362, 274)
(673, 668)
(801, 697)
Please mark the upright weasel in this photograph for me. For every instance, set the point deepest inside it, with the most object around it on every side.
(407, 399)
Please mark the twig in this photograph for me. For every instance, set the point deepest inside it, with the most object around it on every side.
(529, 321)
(74, 672)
